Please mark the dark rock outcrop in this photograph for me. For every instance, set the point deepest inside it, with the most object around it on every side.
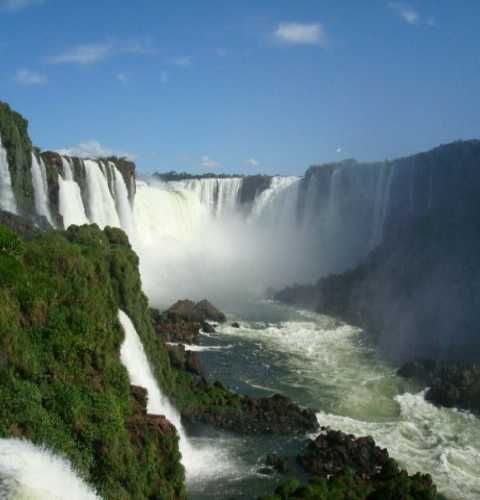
(334, 451)
(274, 415)
(449, 384)
(198, 312)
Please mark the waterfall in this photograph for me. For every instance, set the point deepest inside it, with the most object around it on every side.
(101, 206)
(70, 203)
(124, 208)
(135, 360)
(34, 473)
(382, 198)
(40, 188)
(218, 195)
(7, 197)
(67, 169)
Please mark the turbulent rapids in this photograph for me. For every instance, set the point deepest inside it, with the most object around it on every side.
(332, 367)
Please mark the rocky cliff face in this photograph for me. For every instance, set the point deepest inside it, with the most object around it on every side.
(20, 154)
(418, 290)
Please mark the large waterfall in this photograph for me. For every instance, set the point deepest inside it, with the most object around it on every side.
(7, 198)
(34, 473)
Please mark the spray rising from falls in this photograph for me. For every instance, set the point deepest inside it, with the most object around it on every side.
(7, 198)
(199, 462)
(28, 472)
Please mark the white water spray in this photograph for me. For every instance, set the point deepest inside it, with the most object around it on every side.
(29, 472)
(7, 197)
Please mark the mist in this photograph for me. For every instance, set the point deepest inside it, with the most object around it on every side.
(186, 251)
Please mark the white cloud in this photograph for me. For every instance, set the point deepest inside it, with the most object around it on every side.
(252, 162)
(93, 149)
(164, 77)
(301, 34)
(91, 53)
(207, 162)
(84, 54)
(182, 61)
(16, 5)
(122, 78)
(406, 12)
(27, 77)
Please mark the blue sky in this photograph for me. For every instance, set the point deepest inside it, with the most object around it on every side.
(242, 86)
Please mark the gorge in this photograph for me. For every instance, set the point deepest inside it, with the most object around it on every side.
(237, 240)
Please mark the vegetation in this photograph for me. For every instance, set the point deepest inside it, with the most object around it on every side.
(61, 380)
(15, 139)
(390, 484)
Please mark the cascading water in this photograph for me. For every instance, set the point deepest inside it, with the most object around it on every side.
(124, 209)
(40, 188)
(7, 197)
(70, 202)
(199, 461)
(29, 472)
(101, 205)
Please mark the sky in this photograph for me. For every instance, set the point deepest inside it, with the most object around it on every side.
(270, 86)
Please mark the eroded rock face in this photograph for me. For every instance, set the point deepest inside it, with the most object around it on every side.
(449, 384)
(334, 451)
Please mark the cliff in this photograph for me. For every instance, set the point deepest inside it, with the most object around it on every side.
(417, 292)
(20, 153)
(61, 379)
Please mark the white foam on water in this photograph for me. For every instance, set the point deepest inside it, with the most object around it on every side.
(361, 394)
(29, 472)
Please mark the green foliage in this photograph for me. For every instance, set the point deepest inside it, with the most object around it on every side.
(391, 484)
(61, 380)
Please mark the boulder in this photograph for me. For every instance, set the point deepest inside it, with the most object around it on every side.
(333, 451)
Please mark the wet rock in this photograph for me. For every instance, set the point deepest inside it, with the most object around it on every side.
(277, 462)
(200, 311)
(207, 327)
(449, 384)
(273, 415)
(333, 451)
(266, 471)
(235, 324)
(182, 359)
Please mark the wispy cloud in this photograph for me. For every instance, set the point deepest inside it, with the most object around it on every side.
(91, 53)
(182, 61)
(16, 5)
(93, 149)
(27, 77)
(207, 162)
(406, 12)
(84, 54)
(252, 162)
(301, 34)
